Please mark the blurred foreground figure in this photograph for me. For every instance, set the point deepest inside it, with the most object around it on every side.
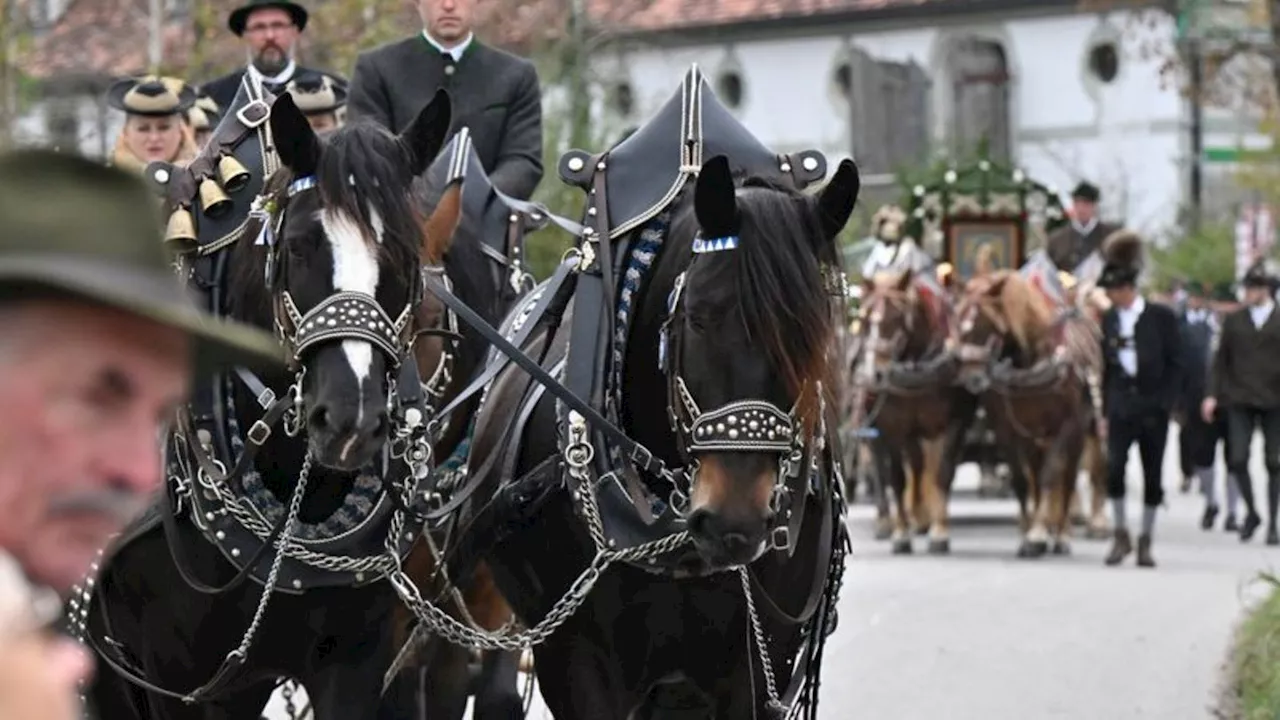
(94, 358)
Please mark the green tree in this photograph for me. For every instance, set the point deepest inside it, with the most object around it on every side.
(1206, 256)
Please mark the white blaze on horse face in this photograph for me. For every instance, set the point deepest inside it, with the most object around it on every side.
(355, 269)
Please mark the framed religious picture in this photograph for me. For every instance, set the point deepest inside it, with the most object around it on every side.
(966, 237)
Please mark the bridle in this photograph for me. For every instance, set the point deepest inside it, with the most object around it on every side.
(750, 425)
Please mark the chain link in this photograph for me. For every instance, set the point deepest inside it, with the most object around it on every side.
(757, 631)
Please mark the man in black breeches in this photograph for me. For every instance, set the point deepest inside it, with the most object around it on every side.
(1141, 381)
(1246, 382)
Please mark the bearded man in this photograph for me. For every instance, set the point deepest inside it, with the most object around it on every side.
(270, 30)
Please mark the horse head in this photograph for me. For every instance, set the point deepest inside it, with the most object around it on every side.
(746, 344)
(999, 317)
(900, 321)
(344, 251)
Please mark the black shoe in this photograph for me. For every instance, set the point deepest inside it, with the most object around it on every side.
(1121, 546)
(1231, 525)
(1251, 524)
(1144, 552)
(1273, 536)
(1210, 514)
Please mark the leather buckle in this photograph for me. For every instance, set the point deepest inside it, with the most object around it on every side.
(267, 398)
(253, 114)
(780, 538)
(259, 433)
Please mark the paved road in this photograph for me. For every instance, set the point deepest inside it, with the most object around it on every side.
(982, 635)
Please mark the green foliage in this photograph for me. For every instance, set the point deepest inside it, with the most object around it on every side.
(1257, 659)
(1207, 256)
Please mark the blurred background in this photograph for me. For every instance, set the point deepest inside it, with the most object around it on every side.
(1168, 107)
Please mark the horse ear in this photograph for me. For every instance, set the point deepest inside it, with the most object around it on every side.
(296, 142)
(442, 224)
(424, 137)
(836, 201)
(904, 282)
(714, 200)
(997, 285)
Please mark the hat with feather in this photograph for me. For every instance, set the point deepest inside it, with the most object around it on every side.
(1122, 255)
(151, 95)
(1261, 274)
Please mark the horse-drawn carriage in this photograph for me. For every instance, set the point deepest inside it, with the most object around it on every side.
(453, 454)
(977, 218)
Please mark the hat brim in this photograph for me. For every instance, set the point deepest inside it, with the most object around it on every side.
(217, 344)
(240, 16)
(118, 91)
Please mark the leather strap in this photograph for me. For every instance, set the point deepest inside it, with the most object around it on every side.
(637, 452)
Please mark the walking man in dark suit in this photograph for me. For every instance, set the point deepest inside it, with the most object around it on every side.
(1197, 437)
(1069, 245)
(495, 94)
(1246, 382)
(270, 30)
(1141, 380)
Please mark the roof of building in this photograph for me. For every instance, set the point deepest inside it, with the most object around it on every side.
(650, 16)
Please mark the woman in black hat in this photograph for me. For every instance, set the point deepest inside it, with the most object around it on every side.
(155, 126)
(321, 98)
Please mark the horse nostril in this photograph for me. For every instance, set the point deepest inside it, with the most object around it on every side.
(735, 542)
(697, 522)
(320, 417)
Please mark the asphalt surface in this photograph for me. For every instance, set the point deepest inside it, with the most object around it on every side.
(980, 634)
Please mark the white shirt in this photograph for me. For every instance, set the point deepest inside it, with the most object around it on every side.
(1260, 313)
(456, 51)
(1086, 228)
(1128, 319)
(278, 79)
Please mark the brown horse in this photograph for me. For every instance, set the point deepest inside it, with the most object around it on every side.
(1027, 362)
(904, 379)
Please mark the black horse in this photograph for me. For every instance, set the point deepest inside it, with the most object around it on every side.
(733, 326)
(336, 271)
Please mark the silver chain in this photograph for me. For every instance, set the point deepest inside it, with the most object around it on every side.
(757, 631)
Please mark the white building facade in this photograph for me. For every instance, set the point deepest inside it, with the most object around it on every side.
(1063, 94)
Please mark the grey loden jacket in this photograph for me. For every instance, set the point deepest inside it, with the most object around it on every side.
(495, 94)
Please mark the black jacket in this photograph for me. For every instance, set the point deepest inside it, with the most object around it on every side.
(1246, 368)
(1067, 248)
(223, 90)
(1197, 357)
(495, 94)
(1158, 384)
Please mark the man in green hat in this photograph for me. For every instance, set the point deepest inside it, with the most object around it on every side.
(98, 346)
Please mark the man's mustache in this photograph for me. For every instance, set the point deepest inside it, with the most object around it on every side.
(120, 505)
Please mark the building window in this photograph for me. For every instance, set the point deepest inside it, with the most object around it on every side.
(729, 88)
(1104, 61)
(980, 104)
(622, 99)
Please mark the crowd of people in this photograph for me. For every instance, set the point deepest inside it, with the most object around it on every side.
(100, 340)
(1202, 358)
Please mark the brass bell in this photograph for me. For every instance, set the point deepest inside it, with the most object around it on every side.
(232, 175)
(180, 233)
(213, 201)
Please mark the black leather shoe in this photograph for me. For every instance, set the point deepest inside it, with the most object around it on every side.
(1273, 537)
(1251, 524)
(1144, 552)
(1231, 525)
(1210, 514)
(1121, 546)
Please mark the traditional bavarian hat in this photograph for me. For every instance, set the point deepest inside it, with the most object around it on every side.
(1122, 252)
(316, 93)
(204, 114)
(240, 16)
(1086, 191)
(151, 95)
(73, 229)
(1260, 274)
